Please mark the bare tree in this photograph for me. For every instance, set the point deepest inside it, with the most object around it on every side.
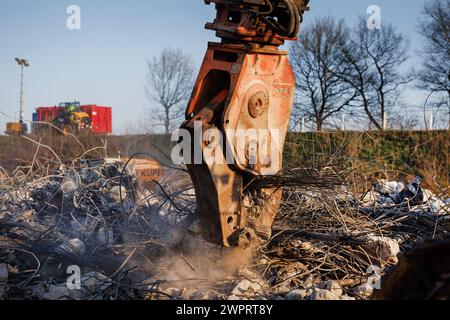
(315, 62)
(371, 64)
(169, 83)
(435, 29)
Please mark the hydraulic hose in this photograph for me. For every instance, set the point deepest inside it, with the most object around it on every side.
(293, 13)
(290, 27)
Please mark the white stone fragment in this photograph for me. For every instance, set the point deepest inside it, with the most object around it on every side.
(297, 295)
(115, 193)
(386, 249)
(73, 246)
(389, 187)
(322, 294)
(246, 287)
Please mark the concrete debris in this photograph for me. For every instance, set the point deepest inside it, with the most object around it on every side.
(174, 292)
(370, 198)
(386, 249)
(91, 284)
(291, 271)
(439, 206)
(95, 282)
(56, 292)
(186, 293)
(25, 216)
(123, 239)
(388, 187)
(197, 294)
(282, 289)
(391, 193)
(251, 275)
(118, 194)
(322, 294)
(69, 187)
(74, 215)
(245, 288)
(105, 235)
(303, 245)
(297, 295)
(90, 174)
(72, 246)
(206, 294)
(331, 286)
(364, 291)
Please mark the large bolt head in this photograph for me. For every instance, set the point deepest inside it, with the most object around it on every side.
(258, 104)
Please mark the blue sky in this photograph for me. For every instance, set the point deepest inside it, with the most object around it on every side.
(104, 63)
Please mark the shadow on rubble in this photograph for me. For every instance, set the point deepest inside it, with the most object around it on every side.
(422, 274)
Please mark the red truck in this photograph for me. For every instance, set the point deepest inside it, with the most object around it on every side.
(75, 117)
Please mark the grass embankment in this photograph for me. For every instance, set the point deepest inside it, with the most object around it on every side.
(366, 155)
(22, 151)
(390, 155)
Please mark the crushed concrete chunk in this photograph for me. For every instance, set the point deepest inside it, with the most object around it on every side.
(428, 196)
(205, 294)
(386, 249)
(370, 198)
(73, 246)
(332, 286)
(246, 287)
(297, 295)
(322, 294)
(303, 245)
(364, 291)
(94, 282)
(105, 236)
(439, 207)
(69, 187)
(388, 187)
(186, 293)
(58, 292)
(115, 193)
(27, 215)
(173, 292)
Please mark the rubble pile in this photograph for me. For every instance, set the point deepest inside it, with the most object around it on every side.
(392, 193)
(337, 246)
(90, 230)
(93, 217)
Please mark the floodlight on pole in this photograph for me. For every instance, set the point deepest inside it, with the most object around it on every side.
(23, 63)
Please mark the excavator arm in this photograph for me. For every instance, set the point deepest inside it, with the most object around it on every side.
(241, 104)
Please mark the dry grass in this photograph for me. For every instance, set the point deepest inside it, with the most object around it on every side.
(20, 151)
(366, 156)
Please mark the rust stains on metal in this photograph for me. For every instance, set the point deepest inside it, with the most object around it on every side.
(245, 83)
